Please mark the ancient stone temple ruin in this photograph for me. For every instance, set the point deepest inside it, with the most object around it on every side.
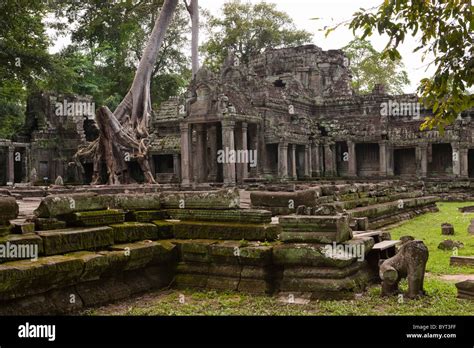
(316, 174)
(289, 114)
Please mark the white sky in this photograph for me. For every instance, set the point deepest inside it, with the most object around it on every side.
(330, 12)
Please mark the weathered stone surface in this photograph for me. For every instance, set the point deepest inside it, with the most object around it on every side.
(94, 218)
(46, 224)
(147, 215)
(75, 239)
(227, 230)
(165, 228)
(237, 216)
(447, 229)
(324, 287)
(470, 228)
(223, 199)
(24, 245)
(234, 252)
(23, 227)
(286, 200)
(466, 289)
(449, 244)
(318, 229)
(306, 254)
(298, 271)
(134, 231)
(8, 209)
(462, 261)
(144, 253)
(128, 202)
(5, 230)
(22, 278)
(62, 204)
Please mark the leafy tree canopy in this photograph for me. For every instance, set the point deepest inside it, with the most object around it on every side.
(369, 68)
(249, 29)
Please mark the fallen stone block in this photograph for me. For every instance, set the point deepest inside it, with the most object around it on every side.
(46, 224)
(74, 239)
(23, 227)
(327, 289)
(466, 289)
(19, 247)
(227, 230)
(223, 199)
(130, 202)
(146, 253)
(315, 229)
(134, 231)
(449, 244)
(470, 229)
(447, 229)
(147, 215)
(165, 228)
(8, 209)
(286, 201)
(307, 254)
(5, 230)
(251, 216)
(62, 204)
(22, 278)
(461, 261)
(94, 218)
(235, 252)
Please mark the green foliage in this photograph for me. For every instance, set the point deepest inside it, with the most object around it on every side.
(247, 30)
(23, 42)
(109, 38)
(369, 68)
(445, 28)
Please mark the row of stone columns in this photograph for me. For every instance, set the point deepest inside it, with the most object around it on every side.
(287, 166)
(386, 160)
(205, 168)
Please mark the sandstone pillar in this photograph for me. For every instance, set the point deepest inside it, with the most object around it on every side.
(352, 165)
(456, 160)
(228, 144)
(309, 160)
(11, 164)
(212, 162)
(245, 166)
(200, 167)
(328, 160)
(316, 160)
(383, 159)
(390, 161)
(294, 174)
(261, 149)
(186, 169)
(283, 160)
(422, 160)
(464, 160)
(176, 166)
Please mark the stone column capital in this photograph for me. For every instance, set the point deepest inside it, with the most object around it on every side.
(228, 124)
(184, 126)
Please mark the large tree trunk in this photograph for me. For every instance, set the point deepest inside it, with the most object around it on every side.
(193, 10)
(124, 133)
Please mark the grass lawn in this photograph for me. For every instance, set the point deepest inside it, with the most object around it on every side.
(427, 227)
(441, 299)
